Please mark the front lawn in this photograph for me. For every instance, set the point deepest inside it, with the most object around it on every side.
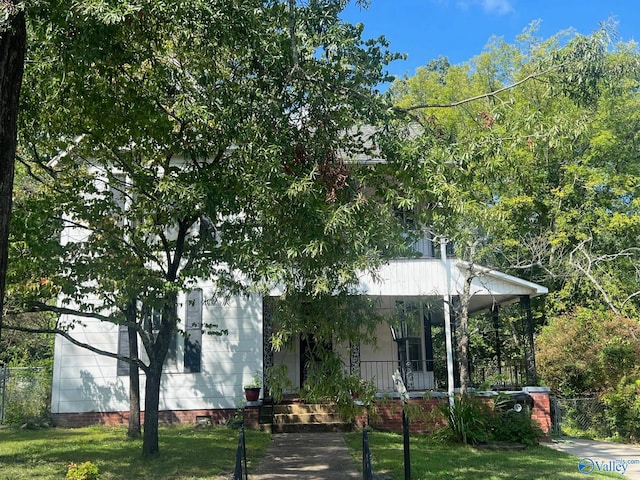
(430, 460)
(186, 453)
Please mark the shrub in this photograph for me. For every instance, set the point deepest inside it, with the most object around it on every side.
(27, 397)
(622, 409)
(519, 427)
(469, 419)
(84, 471)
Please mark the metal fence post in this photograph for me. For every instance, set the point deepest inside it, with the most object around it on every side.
(367, 472)
(3, 390)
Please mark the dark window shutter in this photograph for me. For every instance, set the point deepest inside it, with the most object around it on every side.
(123, 349)
(193, 327)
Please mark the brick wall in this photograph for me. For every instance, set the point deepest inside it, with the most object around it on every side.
(387, 414)
(424, 416)
(541, 412)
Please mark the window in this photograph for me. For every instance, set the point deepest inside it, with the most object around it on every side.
(410, 313)
(192, 339)
(123, 349)
(193, 330)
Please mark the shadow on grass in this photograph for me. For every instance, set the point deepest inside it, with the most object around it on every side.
(185, 452)
(437, 461)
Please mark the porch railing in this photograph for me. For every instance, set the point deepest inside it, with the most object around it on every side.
(506, 375)
(419, 374)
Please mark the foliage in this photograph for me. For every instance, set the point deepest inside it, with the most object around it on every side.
(622, 409)
(206, 140)
(278, 382)
(518, 427)
(256, 382)
(471, 420)
(541, 178)
(84, 471)
(27, 396)
(190, 453)
(468, 419)
(587, 352)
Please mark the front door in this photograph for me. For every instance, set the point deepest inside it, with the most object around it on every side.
(308, 355)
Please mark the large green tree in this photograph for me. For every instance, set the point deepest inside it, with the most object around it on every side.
(536, 142)
(211, 140)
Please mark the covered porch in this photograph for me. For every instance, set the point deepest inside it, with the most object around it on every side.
(426, 293)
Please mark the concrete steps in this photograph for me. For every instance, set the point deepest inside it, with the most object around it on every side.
(301, 417)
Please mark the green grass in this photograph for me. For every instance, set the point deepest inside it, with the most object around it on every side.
(430, 460)
(185, 452)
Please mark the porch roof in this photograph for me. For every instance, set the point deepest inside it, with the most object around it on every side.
(433, 277)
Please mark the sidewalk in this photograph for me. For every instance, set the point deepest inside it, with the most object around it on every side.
(602, 456)
(303, 456)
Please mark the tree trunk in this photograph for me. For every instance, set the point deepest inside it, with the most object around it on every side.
(150, 445)
(12, 49)
(463, 360)
(154, 375)
(134, 429)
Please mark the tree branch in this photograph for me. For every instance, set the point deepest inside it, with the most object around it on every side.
(70, 338)
(477, 97)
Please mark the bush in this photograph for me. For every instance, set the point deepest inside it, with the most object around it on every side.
(468, 419)
(622, 409)
(27, 397)
(472, 421)
(84, 471)
(519, 427)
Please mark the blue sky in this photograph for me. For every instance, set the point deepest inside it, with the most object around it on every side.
(459, 29)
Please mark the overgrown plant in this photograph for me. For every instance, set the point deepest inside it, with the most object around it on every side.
(83, 471)
(622, 409)
(472, 420)
(469, 419)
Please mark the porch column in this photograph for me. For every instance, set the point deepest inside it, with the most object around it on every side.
(354, 358)
(428, 342)
(268, 305)
(529, 352)
(455, 309)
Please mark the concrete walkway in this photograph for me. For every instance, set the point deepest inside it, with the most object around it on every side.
(594, 456)
(304, 456)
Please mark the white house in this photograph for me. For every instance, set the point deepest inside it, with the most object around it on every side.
(205, 374)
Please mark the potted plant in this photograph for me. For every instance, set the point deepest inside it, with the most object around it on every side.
(252, 390)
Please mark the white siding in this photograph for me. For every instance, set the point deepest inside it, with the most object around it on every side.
(86, 382)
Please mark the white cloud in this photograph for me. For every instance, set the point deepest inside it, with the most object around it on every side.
(499, 7)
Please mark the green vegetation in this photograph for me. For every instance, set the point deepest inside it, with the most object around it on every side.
(189, 453)
(473, 421)
(433, 460)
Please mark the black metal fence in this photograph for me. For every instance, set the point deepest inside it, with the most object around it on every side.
(508, 374)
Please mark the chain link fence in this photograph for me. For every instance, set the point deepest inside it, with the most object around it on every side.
(25, 394)
(584, 416)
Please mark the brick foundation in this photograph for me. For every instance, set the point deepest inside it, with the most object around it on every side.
(166, 417)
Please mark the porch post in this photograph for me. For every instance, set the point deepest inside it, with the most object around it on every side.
(268, 305)
(354, 358)
(455, 305)
(529, 352)
(447, 320)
